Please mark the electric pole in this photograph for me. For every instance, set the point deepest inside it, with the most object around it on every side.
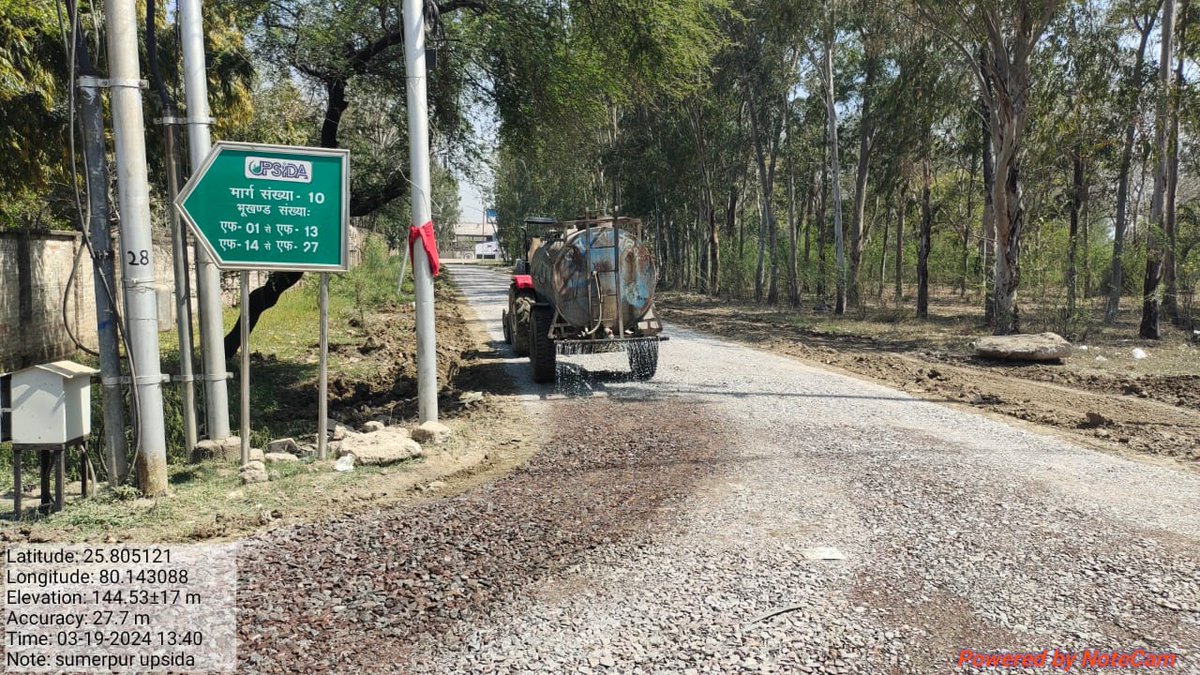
(91, 116)
(208, 277)
(418, 151)
(137, 247)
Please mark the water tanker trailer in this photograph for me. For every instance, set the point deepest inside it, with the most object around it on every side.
(583, 287)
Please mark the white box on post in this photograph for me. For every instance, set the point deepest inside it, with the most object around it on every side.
(51, 403)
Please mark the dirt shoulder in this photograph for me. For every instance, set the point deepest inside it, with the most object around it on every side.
(1098, 396)
(209, 501)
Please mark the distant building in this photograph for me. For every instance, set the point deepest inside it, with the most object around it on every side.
(474, 241)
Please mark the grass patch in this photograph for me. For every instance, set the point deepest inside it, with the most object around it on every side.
(208, 500)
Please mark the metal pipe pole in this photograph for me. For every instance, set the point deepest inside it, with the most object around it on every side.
(208, 277)
(137, 247)
(105, 279)
(245, 371)
(323, 378)
(418, 151)
(182, 291)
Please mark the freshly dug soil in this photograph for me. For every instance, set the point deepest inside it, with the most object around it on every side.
(381, 367)
(1152, 414)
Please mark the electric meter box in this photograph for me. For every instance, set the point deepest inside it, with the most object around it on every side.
(50, 404)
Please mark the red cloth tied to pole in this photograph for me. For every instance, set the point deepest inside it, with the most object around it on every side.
(428, 242)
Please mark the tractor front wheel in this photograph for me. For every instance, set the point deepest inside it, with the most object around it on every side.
(521, 316)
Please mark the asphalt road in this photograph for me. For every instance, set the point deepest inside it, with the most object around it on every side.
(947, 531)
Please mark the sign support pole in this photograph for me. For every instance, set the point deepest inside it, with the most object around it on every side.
(418, 150)
(323, 378)
(245, 375)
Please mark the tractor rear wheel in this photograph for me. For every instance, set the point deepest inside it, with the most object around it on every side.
(643, 360)
(542, 356)
(519, 328)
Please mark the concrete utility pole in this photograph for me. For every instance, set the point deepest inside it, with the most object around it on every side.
(91, 115)
(208, 277)
(137, 248)
(418, 151)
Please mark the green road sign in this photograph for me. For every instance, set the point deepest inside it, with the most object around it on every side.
(274, 207)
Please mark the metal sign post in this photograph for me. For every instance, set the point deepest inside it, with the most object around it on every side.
(323, 377)
(245, 370)
(273, 207)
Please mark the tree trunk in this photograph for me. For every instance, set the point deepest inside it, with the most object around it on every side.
(835, 175)
(773, 285)
(866, 132)
(765, 153)
(1170, 296)
(714, 250)
(1085, 236)
(964, 269)
(1115, 280)
(1073, 240)
(925, 241)
(810, 203)
(987, 241)
(1006, 88)
(1151, 302)
(261, 299)
(822, 243)
(883, 254)
(793, 273)
(901, 211)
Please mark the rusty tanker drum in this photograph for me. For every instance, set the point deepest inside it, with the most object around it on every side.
(577, 274)
(583, 287)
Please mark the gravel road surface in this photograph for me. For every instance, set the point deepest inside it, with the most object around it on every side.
(742, 512)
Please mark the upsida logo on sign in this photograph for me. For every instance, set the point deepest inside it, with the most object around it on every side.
(289, 170)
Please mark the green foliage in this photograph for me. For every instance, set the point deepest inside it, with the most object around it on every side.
(581, 138)
(371, 283)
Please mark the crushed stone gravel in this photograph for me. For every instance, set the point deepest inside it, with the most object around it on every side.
(663, 528)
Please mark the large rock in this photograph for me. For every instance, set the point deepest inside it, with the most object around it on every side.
(254, 472)
(386, 446)
(1040, 347)
(229, 449)
(281, 457)
(287, 445)
(434, 433)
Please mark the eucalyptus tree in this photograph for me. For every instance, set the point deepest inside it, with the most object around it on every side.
(1078, 122)
(1151, 292)
(873, 25)
(1009, 32)
(1142, 14)
(1170, 217)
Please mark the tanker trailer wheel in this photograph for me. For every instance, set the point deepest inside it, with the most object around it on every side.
(520, 319)
(542, 354)
(643, 360)
(507, 328)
